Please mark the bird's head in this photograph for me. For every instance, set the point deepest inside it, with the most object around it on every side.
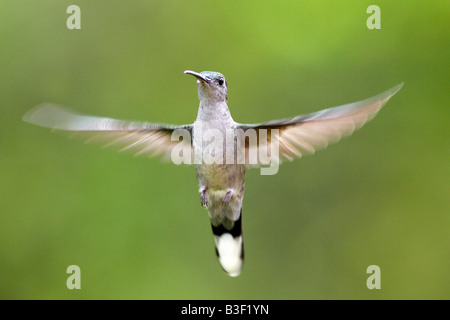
(212, 86)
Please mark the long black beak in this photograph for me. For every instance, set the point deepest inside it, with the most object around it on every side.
(199, 76)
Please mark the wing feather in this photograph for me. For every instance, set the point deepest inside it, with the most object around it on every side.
(143, 138)
(304, 134)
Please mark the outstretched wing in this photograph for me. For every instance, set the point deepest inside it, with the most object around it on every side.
(304, 134)
(143, 138)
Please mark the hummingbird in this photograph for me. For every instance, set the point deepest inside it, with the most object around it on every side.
(221, 182)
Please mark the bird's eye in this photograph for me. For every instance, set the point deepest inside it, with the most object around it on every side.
(220, 81)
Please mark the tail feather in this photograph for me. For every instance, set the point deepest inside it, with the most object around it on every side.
(230, 245)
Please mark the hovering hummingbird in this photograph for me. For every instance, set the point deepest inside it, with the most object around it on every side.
(222, 179)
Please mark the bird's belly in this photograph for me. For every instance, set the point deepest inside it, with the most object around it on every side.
(221, 176)
(217, 180)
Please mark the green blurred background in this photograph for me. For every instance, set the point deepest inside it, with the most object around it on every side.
(135, 226)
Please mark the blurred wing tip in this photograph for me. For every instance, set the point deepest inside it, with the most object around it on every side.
(387, 95)
(40, 113)
(397, 88)
(30, 114)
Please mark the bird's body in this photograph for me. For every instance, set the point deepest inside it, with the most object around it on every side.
(221, 147)
(221, 183)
